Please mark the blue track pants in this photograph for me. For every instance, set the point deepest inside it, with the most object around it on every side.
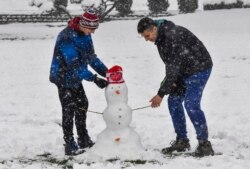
(195, 85)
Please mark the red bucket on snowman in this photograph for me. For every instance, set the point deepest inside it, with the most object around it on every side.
(114, 75)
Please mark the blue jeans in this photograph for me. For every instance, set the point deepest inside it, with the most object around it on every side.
(195, 85)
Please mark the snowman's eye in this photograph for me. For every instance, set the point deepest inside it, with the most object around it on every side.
(112, 88)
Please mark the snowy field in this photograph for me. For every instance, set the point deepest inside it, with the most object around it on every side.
(31, 114)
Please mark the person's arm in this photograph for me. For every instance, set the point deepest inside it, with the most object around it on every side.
(94, 61)
(168, 81)
(76, 67)
(98, 65)
(172, 68)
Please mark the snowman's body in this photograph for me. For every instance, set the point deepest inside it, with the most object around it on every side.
(117, 116)
(118, 140)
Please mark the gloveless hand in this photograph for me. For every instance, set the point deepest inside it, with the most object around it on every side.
(156, 101)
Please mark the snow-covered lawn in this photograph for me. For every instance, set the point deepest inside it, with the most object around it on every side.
(31, 114)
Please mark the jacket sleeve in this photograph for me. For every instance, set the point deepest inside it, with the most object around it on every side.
(76, 67)
(98, 65)
(94, 61)
(172, 67)
(169, 79)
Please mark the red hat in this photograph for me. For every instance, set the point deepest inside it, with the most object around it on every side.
(114, 75)
(89, 20)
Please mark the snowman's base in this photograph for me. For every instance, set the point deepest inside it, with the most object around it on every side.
(114, 156)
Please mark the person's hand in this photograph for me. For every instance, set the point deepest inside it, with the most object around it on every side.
(101, 83)
(156, 101)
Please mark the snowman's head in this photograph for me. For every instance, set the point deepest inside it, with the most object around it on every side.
(117, 90)
(116, 93)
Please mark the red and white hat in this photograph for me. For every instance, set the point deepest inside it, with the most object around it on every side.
(114, 75)
(89, 20)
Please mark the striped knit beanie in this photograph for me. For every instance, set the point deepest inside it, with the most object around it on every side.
(89, 20)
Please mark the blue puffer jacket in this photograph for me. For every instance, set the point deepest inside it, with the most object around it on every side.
(73, 52)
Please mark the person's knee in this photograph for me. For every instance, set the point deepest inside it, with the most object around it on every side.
(174, 104)
(84, 105)
(174, 100)
(191, 105)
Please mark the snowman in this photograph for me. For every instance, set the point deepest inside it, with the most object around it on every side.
(118, 139)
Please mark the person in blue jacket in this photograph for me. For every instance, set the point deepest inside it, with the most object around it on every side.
(188, 65)
(73, 52)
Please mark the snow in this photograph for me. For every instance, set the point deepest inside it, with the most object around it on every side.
(31, 113)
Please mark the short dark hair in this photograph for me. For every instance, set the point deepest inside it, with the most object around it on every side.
(145, 23)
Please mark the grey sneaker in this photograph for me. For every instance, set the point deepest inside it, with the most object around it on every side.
(204, 148)
(179, 145)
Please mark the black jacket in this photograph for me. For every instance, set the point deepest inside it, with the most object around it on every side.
(182, 52)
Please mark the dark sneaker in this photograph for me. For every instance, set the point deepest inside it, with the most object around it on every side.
(204, 149)
(85, 143)
(71, 148)
(179, 145)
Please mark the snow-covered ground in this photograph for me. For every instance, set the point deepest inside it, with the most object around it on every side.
(31, 114)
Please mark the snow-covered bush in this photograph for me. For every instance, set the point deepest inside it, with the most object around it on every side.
(37, 3)
(187, 6)
(47, 6)
(60, 2)
(158, 6)
(246, 3)
(86, 4)
(122, 6)
(44, 6)
(225, 4)
(97, 5)
(75, 1)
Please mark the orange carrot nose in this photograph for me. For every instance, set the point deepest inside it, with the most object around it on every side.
(117, 139)
(117, 92)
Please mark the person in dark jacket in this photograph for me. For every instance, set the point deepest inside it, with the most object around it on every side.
(73, 52)
(188, 66)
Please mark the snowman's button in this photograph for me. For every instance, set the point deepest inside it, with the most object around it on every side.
(120, 116)
(120, 109)
(119, 123)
